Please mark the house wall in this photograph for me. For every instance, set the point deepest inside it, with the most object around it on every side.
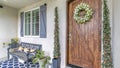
(8, 27)
(116, 33)
(48, 43)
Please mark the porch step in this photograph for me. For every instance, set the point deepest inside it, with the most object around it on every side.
(72, 66)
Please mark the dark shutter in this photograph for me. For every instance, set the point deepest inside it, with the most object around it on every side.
(43, 9)
(22, 24)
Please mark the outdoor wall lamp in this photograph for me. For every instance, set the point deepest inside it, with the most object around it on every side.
(1, 6)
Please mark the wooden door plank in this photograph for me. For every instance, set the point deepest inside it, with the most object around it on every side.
(84, 44)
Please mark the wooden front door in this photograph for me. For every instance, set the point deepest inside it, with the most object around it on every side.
(84, 40)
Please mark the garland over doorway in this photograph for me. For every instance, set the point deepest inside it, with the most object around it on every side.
(107, 56)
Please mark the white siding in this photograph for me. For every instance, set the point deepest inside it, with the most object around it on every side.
(116, 33)
(8, 27)
(48, 43)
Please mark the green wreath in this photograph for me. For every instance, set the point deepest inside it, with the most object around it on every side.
(87, 13)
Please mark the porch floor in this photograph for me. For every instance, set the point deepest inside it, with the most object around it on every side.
(14, 63)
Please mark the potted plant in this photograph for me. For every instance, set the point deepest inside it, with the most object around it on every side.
(56, 58)
(41, 59)
(12, 44)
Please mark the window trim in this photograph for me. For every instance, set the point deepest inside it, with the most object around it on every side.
(31, 22)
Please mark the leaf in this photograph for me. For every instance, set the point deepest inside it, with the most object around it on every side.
(35, 60)
(107, 58)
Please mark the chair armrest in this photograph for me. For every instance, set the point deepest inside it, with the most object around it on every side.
(27, 53)
(8, 49)
(12, 49)
(34, 52)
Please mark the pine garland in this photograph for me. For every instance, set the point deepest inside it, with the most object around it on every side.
(107, 57)
(56, 36)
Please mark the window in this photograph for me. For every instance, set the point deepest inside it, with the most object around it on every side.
(27, 23)
(35, 22)
(31, 27)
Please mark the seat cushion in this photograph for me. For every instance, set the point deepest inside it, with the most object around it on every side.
(19, 54)
(22, 55)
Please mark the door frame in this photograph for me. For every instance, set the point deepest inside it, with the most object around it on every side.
(67, 30)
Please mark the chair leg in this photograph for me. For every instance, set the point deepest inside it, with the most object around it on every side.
(8, 54)
(27, 64)
(27, 60)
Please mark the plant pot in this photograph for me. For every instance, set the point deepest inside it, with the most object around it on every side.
(12, 45)
(56, 62)
(40, 64)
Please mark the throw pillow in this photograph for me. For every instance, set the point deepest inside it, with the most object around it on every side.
(20, 48)
(32, 50)
(26, 49)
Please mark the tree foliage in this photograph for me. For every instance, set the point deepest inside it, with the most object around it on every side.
(56, 36)
(107, 57)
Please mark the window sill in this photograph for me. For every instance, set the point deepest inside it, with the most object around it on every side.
(31, 37)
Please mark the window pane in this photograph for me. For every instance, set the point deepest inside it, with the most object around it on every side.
(27, 23)
(35, 22)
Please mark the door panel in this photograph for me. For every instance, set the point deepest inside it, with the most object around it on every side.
(84, 40)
